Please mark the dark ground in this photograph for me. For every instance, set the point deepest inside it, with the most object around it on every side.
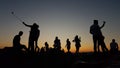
(56, 59)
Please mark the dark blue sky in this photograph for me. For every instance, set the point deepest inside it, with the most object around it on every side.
(62, 18)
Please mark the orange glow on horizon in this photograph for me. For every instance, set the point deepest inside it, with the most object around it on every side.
(82, 48)
(85, 46)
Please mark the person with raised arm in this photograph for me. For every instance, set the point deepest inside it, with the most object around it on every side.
(33, 36)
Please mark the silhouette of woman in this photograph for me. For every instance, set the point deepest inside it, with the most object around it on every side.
(77, 43)
(46, 46)
(33, 36)
(68, 45)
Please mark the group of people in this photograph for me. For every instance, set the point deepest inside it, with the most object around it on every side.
(57, 44)
(98, 39)
(33, 38)
(95, 30)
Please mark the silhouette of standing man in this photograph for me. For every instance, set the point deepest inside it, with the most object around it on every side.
(33, 36)
(77, 43)
(98, 38)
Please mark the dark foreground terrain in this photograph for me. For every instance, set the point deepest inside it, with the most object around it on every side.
(9, 58)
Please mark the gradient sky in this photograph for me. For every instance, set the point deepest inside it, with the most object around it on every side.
(62, 18)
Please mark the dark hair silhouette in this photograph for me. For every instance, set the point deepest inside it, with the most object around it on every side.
(33, 36)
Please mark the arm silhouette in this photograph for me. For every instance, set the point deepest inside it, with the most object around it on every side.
(26, 24)
(103, 24)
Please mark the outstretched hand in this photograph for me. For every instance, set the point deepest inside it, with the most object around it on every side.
(23, 22)
(104, 22)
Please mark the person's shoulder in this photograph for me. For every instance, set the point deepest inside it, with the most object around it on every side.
(116, 43)
(16, 36)
(91, 25)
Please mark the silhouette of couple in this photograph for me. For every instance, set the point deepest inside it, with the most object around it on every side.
(98, 38)
(33, 38)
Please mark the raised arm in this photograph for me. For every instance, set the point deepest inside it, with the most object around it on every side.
(26, 24)
(103, 24)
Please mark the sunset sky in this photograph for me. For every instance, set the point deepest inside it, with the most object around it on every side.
(62, 18)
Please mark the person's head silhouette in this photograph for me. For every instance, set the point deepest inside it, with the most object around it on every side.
(95, 22)
(56, 37)
(67, 39)
(20, 33)
(113, 40)
(35, 25)
(46, 43)
(76, 36)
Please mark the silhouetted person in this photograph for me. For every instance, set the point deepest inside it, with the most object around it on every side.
(95, 30)
(113, 47)
(102, 44)
(68, 45)
(33, 36)
(42, 51)
(77, 43)
(46, 46)
(57, 44)
(16, 42)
